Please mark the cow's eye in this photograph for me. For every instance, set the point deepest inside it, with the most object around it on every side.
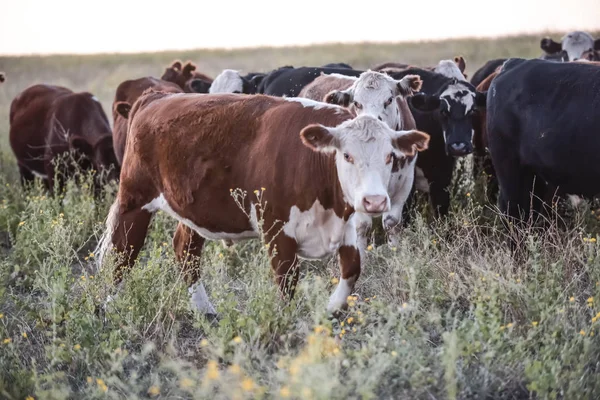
(358, 105)
(388, 102)
(389, 158)
(348, 158)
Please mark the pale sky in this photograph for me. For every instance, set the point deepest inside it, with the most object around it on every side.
(84, 26)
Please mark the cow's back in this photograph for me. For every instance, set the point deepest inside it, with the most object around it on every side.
(548, 113)
(213, 143)
(289, 82)
(30, 121)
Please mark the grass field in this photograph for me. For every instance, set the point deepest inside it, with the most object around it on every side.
(447, 314)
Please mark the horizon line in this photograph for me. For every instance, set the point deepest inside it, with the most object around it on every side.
(299, 45)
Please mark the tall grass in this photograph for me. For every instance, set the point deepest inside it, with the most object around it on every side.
(448, 313)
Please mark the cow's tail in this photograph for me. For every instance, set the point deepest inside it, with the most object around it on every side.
(105, 242)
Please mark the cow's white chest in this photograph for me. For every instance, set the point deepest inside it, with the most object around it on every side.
(318, 232)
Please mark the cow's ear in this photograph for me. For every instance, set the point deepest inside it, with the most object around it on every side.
(424, 102)
(461, 64)
(597, 44)
(80, 144)
(480, 99)
(408, 85)
(550, 46)
(319, 138)
(256, 80)
(176, 65)
(409, 142)
(188, 68)
(340, 97)
(123, 108)
(200, 86)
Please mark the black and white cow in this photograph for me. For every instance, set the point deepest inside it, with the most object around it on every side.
(543, 124)
(229, 81)
(445, 109)
(573, 44)
(289, 81)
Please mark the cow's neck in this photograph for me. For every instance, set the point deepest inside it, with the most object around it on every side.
(334, 192)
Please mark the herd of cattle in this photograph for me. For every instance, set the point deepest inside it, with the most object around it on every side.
(322, 149)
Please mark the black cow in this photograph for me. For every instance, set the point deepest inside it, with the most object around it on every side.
(445, 109)
(289, 81)
(337, 65)
(544, 126)
(486, 70)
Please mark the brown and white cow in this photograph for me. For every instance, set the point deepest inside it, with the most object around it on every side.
(183, 75)
(378, 95)
(127, 93)
(47, 121)
(318, 166)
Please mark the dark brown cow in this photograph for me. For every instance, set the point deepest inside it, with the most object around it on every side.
(449, 68)
(183, 76)
(127, 93)
(311, 166)
(2, 77)
(47, 121)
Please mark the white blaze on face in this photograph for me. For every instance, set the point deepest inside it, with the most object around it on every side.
(575, 43)
(460, 94)
(228, 81)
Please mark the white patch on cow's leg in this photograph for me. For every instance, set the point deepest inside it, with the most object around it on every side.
(200, 299)
(338, 299)
(39, 175)
(105, 242)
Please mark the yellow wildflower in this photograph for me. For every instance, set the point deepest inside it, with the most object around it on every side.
(518, 280)
(571, 299)
(24, 334)
(91, 255)
(21, 223)
(77, 347)
(452, 274)
(235, 369)
(394, 249)
(204, 343)
(369, 248)
(237, 340)
(590, 300)
(29, 398)
(334, 280)
(83, 277)
(1, 315)
(247, 384)
(468, 194)
(186, 383)
(7, 340)
(256, 192)
(534, 323)
(220, 255)
(509, 325)
(101, 385)
(89, 379)
(350, 320)
(404, 305)
(582, 332)
(263, 189)
(284, 392)
(154, 390)
(212, 371)
(394, 354)
(502, 327)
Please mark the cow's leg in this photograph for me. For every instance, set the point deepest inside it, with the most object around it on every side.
(284, 261)
(26, 175)
(439, 196)
(349, 260)
(188, 250)
(125, 233)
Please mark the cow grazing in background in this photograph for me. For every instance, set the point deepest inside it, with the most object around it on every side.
(127, 93)
(337, 65)
(230, 81)
(450, 68)
(574, 44)
(2, 77)
(184, 75)
(380, 96)
(445, 110)
(313, 164)
(543, 126)
(47, 121)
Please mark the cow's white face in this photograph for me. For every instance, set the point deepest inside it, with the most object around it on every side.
(576, 43)
(228, 81)
(364, 151)
(374, 93)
